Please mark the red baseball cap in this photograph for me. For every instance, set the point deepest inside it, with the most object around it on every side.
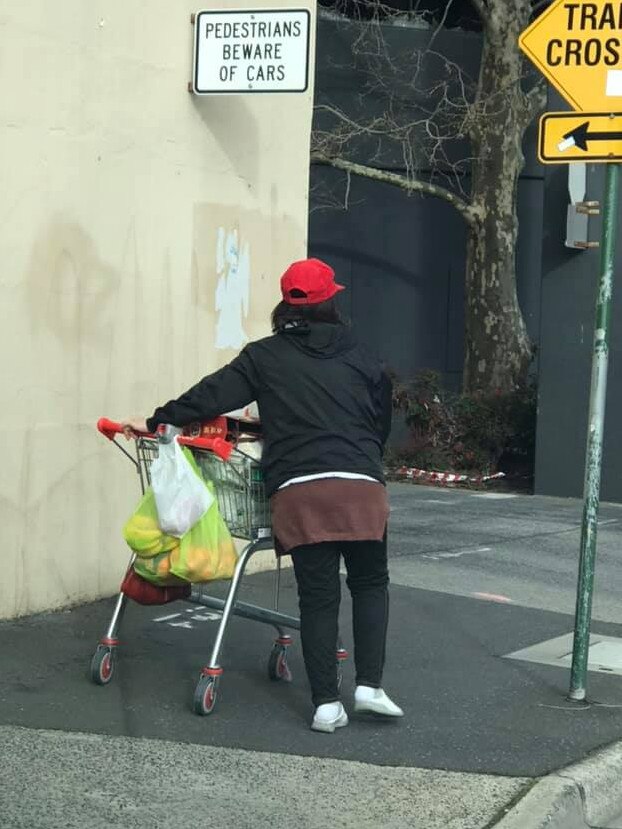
(309, 282)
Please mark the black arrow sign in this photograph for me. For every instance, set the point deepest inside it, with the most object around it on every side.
(579, 136)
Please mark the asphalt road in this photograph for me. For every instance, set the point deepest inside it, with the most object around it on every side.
(523, 548)
(474, 578)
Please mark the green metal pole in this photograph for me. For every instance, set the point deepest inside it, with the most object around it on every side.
(598, 393)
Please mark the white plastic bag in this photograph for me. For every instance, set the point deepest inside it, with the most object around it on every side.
(253, 449)
(181, 496)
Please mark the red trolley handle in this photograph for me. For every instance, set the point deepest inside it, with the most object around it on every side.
(219, 446)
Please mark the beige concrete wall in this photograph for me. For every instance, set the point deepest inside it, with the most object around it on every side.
(119, 192)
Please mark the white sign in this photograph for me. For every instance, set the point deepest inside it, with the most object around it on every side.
(251, 51)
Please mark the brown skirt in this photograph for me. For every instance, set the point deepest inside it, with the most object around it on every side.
(329, 509)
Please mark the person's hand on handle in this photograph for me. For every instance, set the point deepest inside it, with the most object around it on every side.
(133, 426)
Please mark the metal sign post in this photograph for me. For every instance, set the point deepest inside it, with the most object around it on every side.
(598, 392)
(578, 47)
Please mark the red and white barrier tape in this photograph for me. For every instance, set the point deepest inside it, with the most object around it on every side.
(445, 477)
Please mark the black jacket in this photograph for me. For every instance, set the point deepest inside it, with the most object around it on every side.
(325, 405)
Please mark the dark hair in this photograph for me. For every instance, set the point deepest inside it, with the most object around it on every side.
(285, 313)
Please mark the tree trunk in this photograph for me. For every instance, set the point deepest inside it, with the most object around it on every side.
(497, 347)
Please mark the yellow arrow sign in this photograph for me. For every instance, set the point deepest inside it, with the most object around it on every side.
(577, 45)
(579, 136)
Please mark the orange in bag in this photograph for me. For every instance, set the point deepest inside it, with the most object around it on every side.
(206, 552)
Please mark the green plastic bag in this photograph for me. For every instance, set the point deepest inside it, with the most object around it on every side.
(157, 570)
(142, 531)
(206, 552)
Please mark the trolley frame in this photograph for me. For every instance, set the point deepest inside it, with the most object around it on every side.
(255, 530)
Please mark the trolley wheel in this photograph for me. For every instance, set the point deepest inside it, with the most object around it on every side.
(278, 669)
(103, 664)
(205, 695)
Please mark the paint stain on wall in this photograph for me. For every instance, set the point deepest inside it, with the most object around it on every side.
(233, 267)
(70, 287)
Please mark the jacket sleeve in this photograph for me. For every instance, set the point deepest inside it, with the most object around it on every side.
(232, 387)
(385, 414)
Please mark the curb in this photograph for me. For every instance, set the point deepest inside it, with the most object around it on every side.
(583, 795)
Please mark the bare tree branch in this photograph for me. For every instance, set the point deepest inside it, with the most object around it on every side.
(412, 109)
(441, 23)
(467, 211)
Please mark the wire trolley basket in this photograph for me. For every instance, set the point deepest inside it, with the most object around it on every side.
(238, 485)
(240, 492)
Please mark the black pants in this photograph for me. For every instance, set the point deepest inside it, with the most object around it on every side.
(319, 591)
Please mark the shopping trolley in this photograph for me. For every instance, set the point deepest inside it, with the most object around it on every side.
(244, 506)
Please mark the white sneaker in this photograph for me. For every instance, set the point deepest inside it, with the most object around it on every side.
(374, 701)
(329, 716)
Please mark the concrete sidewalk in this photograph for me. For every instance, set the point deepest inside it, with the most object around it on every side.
(90, 781)
(482, 726)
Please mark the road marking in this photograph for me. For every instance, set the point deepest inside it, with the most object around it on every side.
(608, 521)
(458, 554)
(493, 597)
(494, 496)
(166, 618)
(198, 616)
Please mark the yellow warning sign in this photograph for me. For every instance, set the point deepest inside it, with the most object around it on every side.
(577, 45)
(579, 136)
